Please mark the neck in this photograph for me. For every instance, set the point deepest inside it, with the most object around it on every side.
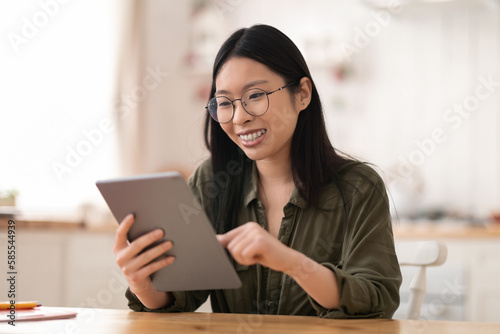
(274, 172)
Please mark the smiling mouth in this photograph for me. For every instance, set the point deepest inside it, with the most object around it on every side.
(253, 136)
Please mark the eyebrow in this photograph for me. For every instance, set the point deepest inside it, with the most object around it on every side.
(247, 86)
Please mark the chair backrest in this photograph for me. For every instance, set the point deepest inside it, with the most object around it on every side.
(422, 254)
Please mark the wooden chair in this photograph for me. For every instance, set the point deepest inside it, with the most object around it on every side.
(422, 254)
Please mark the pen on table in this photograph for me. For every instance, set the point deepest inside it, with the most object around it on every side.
(20, 305)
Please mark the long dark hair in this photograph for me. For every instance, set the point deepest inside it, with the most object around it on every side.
(314, 161)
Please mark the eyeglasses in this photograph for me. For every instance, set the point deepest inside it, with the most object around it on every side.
(254, 101)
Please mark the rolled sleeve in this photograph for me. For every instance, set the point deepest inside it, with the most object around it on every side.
(184, 301)
(356, 295)
(369, 276)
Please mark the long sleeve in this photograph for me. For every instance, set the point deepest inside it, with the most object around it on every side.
(368, 276)
(185, 301)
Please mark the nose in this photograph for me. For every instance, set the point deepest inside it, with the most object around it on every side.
(240, 115)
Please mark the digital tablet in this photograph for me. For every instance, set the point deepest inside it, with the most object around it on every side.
(165, 201)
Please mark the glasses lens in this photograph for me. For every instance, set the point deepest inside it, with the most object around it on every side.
(255, 101)
(221, 109)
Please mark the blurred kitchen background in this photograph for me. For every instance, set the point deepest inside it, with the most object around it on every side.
(100, 89)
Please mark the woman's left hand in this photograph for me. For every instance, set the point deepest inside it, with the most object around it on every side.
(250, 244)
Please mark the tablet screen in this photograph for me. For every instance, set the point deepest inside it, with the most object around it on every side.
(165, 201)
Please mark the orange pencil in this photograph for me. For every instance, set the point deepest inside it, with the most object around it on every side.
(19, 305)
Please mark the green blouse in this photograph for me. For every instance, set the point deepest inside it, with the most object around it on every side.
(355, 241)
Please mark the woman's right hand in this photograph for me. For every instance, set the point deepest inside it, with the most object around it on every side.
(137, 266)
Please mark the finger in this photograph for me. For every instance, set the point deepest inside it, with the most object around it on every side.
(252, 253)
(247, 256)
(144, 241)
(237, 241)
(253, 245)
(125, 255)
(246, 233)
(121, 232)
(242, 249)
(225, 238)
(146, 271)
(143, 259)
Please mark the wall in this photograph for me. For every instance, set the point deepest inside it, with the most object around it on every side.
(398, 91)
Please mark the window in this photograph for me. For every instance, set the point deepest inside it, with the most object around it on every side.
(57, 65)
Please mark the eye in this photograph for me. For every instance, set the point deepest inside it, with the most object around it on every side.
(256, 95)
(224, 104)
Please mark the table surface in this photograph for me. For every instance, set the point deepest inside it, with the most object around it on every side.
(98, 321)
(402, 230)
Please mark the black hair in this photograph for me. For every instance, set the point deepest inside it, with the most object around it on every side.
(313, 159)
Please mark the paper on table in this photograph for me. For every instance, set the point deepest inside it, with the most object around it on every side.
(37, 313)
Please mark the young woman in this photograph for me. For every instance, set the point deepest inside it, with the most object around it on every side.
(309, 231)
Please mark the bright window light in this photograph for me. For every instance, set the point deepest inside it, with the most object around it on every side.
(57, 65)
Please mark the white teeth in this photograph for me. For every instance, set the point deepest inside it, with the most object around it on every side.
(252, 136)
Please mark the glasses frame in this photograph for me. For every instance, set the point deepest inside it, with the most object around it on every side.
(243, 105)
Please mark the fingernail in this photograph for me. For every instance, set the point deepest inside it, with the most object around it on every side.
(158, 233)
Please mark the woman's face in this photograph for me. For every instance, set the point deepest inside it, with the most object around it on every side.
(263, 137)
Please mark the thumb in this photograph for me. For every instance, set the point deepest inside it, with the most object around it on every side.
(222, 238)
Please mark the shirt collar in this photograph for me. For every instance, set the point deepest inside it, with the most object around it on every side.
(253, 188)
(297, 199)
(253, 191)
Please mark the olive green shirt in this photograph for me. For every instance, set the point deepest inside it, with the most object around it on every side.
(354, 241)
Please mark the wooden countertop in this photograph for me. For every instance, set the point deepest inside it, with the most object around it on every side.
(445, 231)
(57, 225)
(43, 224)
(97, 321)
(402, 230)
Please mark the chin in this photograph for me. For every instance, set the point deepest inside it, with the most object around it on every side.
(252, 155)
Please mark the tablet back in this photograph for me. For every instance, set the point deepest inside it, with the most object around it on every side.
(165, 201)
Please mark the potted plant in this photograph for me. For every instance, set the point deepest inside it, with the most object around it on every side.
(8, 197)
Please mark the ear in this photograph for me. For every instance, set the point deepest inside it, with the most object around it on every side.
(303, 97)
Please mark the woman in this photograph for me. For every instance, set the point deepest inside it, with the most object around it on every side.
(309, 231)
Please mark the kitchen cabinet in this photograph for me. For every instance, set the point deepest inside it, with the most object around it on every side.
(76, 268)
(66, 268)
